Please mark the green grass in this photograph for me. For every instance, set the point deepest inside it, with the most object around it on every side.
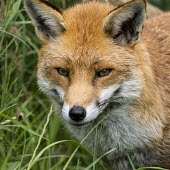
(33, 138)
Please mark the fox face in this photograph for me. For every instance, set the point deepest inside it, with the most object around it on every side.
(87, 64)
(87, 84)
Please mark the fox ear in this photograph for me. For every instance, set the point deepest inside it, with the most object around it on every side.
(47, 18)
(124, 24)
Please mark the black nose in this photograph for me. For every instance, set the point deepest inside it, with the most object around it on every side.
(77, 113)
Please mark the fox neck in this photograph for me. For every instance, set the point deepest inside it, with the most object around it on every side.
(133, 125)
(150, 103)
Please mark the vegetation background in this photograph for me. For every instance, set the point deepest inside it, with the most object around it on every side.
(162, 4)
(31, 136)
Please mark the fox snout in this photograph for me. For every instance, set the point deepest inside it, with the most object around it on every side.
(79, 104)
(77, 113)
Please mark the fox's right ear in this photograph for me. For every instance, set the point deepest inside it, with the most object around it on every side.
(47, 18)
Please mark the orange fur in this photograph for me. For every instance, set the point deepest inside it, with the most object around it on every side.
(84, 48)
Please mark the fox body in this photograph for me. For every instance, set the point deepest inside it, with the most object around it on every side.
(98, 65)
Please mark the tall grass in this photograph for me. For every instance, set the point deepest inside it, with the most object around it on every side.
(31, 136)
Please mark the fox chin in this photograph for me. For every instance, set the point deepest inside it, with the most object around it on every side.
(106, 71)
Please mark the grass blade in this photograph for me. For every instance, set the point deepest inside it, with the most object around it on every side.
(131, 163)
(19, 124)
(39, 141)
(143, 168)
(98, 159)
(71, 157)
(47, 147)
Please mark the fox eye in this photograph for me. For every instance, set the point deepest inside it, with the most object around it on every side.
(62, 72)
(103, 73)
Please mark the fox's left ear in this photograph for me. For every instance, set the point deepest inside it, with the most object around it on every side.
(47, 18)
(124, 24)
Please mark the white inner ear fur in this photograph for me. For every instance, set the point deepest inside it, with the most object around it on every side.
(51, 18)
(132, 14)
(123, 16)
(52, 21)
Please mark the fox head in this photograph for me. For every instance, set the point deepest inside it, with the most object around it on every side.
(88, 58)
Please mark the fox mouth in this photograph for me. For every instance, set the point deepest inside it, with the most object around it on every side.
(80, 124)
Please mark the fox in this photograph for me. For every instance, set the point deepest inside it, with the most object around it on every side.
(108, 66)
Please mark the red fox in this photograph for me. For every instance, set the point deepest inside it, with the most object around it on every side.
(98, 60)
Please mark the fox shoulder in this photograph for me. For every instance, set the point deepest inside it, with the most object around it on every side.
(156, 37)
